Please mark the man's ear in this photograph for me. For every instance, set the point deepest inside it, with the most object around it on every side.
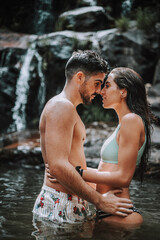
(80, 77)
(123, 93)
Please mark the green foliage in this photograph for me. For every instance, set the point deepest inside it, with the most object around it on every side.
(62, 21)
(145, 19)
(96, 113)
(122, 23)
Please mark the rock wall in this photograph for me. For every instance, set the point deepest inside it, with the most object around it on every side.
(32, 66)
(44, 70)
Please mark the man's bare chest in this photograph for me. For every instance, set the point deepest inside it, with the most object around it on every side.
(79, 133)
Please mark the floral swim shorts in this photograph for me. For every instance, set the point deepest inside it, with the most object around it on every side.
(61, 207)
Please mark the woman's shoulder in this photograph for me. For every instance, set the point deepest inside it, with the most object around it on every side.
(132, 120)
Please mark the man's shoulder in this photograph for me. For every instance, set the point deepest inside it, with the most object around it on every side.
(58, 106)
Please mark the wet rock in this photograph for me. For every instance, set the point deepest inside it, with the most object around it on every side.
(84, 19)
(56, 49)
(25, 155)
(156, 78)
(8, 78)
(11, 40)
(154, 99)
(51, 52)
(131, 49)
(21, 147)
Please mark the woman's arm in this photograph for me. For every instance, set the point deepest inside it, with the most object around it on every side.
(127, 155)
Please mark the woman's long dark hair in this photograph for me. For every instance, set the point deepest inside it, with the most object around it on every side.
(137, 103)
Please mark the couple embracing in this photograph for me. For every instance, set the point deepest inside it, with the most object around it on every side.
(68, 183)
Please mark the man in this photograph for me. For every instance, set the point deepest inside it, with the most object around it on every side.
(62, 136)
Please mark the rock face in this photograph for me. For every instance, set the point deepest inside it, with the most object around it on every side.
(39, 16)
(11, 59)
(31, 76)
(84, 19)
(131, 49)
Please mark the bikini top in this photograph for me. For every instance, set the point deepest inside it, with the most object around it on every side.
(109, 150)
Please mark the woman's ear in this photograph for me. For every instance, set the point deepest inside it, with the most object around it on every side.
(123, 93)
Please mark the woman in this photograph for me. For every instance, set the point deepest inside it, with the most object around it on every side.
(128, 146)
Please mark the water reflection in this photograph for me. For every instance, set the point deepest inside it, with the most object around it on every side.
(87, 230)
(19, 186)
(48, 230)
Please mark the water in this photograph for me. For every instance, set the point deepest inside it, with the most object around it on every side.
(126, 7)
(22, 90)
(44, 18)
(19, 186)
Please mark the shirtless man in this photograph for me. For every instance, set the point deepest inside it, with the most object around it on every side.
(62, 135)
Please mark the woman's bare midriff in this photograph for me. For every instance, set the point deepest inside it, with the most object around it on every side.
(102, 188)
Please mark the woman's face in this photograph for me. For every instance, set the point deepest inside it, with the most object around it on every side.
(111, 94)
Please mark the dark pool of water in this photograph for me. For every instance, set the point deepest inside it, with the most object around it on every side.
(19, 186)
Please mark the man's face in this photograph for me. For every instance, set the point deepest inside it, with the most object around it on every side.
(91, 87)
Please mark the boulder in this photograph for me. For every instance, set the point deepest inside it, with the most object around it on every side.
(156, 78)
(130, 49)
(44, 57)
(55, 49)
(154, 99)
(11, 61)
(84, 19)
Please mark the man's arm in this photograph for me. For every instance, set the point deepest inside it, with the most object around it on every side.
(60, 122)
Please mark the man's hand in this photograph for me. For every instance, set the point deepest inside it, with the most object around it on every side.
(115, 205)
(111, 203)
(49, 176)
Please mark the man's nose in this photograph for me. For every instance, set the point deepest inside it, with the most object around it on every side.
(98, 91)
(102, 91)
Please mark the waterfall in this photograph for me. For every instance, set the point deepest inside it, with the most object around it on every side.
(42, 87)
(126, 7)
(5, 58)
(22, 90)
(44, 19)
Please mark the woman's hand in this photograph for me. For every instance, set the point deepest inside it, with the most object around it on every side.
(50, 177)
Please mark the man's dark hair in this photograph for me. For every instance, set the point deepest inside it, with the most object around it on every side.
(86, 61)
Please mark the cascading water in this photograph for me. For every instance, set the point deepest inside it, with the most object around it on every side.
(22, 90)
(44, 18)
(5, 58)
(42, 87)
(126, 7)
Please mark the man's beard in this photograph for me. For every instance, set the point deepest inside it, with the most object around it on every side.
(86, 98)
